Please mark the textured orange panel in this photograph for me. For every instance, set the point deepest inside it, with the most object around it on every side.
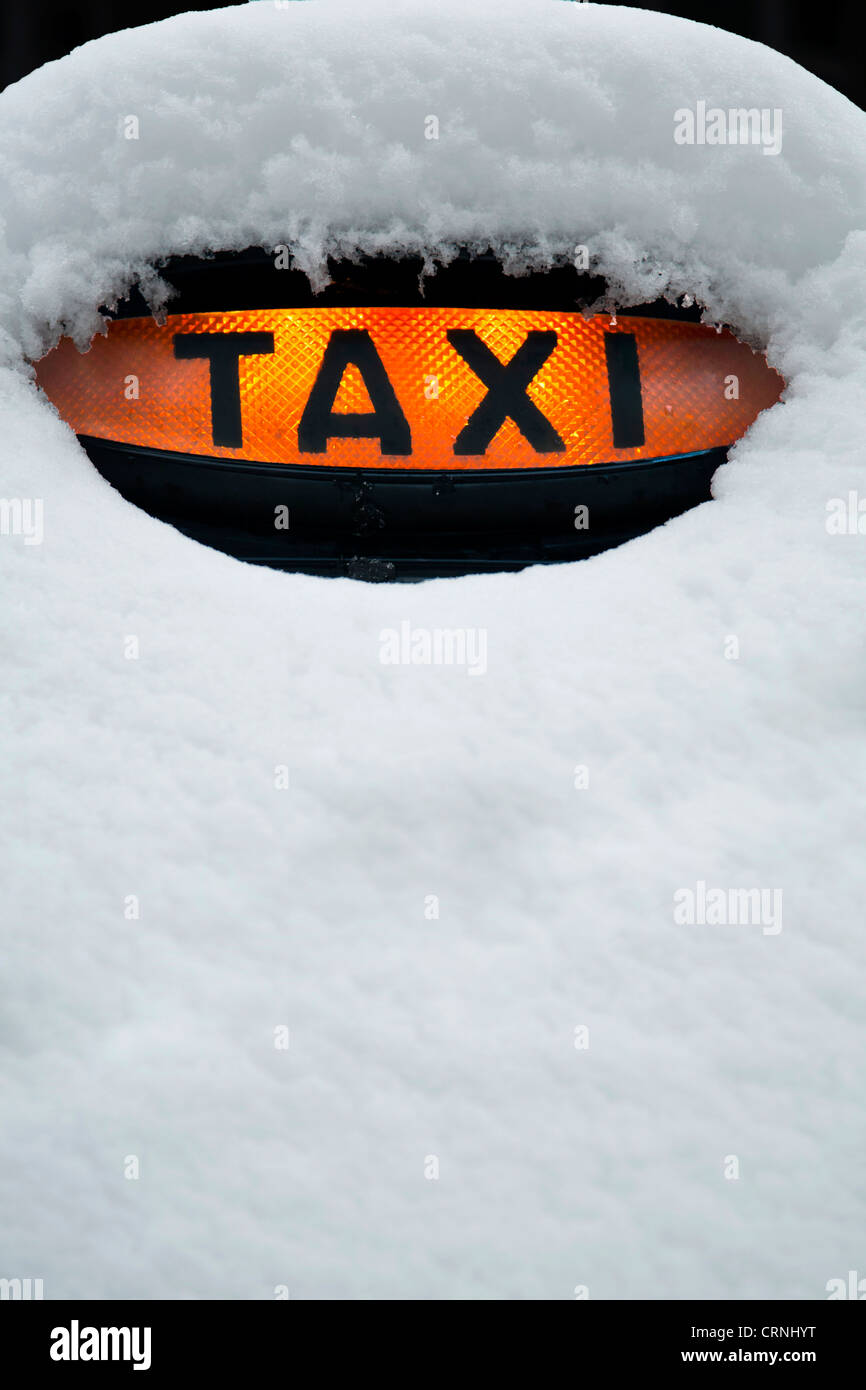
(684, 372)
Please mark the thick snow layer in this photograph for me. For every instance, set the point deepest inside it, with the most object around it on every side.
(156, 779)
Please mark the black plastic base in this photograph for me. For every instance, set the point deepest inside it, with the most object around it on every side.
(401, 524)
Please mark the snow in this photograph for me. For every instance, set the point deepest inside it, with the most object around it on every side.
(159, 776)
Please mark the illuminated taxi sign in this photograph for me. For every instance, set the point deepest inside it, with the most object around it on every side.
(412, 388)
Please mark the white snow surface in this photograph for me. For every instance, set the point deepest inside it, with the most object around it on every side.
(451, 1037)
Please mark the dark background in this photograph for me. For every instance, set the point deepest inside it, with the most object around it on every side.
(823, 37)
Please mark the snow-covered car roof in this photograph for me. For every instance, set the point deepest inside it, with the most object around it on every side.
(308, 124)
(287, 921)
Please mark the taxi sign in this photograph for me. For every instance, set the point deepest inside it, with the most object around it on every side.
(415, 388)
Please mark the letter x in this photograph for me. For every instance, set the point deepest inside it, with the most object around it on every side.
(506, 397)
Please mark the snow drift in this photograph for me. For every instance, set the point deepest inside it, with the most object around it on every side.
(365, 980)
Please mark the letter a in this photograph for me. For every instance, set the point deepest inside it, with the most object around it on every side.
(320, 422)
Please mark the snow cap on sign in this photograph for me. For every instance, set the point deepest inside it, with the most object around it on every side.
(532, 126)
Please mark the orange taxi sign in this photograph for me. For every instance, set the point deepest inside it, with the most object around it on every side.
(412, 388)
